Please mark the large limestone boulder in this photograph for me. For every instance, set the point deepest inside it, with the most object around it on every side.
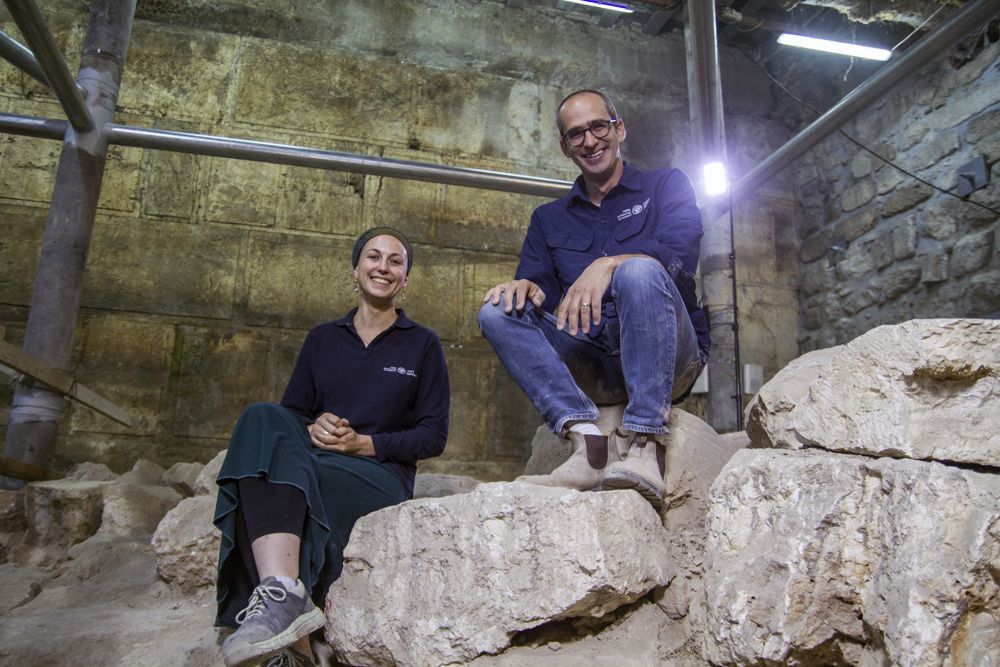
(205, 482)
(695, 455)
(820, 558)
(436, 485)
(182, 477)
(915, 390)
(639, 635)
(134, 510)
(91, 472)
(63, 512)
(443, 580)
(186, 544)
(767, 416)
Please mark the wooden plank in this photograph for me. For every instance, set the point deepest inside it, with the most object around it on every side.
(28, 472)
(95, 401)
(63, 383)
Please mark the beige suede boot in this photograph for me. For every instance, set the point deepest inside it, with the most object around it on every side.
(643, 468)
(583, 469)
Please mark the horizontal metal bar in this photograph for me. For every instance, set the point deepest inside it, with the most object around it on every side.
(242, 149)
(944, 37)
(29, 126)
(36, 33)
(21, 57)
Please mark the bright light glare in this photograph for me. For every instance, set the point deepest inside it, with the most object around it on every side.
(610, 6)
(829, 46)
(715, 178)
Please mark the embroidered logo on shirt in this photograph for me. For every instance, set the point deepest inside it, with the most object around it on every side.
(635, 210)
(399, 370)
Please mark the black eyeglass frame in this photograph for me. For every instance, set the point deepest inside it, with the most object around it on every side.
(594, 128)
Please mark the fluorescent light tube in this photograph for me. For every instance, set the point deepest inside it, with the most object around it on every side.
(610, 6)
(715, 178)
(830, 46)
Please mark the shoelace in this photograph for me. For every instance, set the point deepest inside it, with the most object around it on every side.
(287, 659)
(258, 601)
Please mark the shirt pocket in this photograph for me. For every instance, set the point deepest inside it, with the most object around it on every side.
(571, 242)
(630, 227)
(570, 255)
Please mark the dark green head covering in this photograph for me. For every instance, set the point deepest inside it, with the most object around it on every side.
(380, 231)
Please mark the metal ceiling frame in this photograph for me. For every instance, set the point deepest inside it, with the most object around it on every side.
(876, 86)
(89, 104)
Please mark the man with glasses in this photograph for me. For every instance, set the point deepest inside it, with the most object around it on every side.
(602, 308)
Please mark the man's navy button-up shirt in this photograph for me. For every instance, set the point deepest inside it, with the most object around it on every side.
(651, 213)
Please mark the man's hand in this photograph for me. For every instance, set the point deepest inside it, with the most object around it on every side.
(514, 293)
(581, 306)
(335, 433)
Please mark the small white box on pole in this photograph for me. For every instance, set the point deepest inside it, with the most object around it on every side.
(753, 378)
(701, 384)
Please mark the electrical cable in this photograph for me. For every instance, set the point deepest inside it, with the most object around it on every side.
(917, 29)
(862, 146)
(736, 313)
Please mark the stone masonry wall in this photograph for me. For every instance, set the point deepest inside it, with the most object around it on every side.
(204, 274)
(877, 246)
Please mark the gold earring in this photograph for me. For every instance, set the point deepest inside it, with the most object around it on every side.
(357, 288)
(402, 294)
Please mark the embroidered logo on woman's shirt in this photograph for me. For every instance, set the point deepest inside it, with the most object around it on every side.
(399, 370)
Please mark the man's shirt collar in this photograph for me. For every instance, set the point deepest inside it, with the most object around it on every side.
(631, 179)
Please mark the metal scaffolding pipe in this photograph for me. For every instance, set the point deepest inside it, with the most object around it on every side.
(31, 23)
(944, 37)
(723, 411)
(29, 126)
(241, 149)
(21, 57)
(55, 299)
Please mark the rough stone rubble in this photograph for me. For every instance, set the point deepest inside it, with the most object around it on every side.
(859, 524)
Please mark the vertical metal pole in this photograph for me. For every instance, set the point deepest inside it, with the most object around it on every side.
(717, 261)
(55, 300)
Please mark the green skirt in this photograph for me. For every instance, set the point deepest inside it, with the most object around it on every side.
(271, 442)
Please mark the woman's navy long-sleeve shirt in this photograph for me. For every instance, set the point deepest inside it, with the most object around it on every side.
(396, 390)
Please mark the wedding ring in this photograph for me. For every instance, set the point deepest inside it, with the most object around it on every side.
(585, 305)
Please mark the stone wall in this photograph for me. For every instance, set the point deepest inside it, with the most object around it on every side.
(204, 274)
(879, 247)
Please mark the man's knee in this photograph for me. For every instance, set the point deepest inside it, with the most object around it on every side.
(637, 272)
(490, 317)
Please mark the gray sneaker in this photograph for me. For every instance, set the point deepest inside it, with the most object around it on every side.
(273, 620)
(290, 658)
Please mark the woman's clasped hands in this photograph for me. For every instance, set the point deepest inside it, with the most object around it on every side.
(335, 433)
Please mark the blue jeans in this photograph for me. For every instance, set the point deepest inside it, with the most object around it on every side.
(644, 352)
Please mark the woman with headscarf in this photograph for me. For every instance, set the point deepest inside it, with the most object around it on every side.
(368, 398)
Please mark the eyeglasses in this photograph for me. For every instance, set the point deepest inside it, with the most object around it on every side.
(598, 128)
